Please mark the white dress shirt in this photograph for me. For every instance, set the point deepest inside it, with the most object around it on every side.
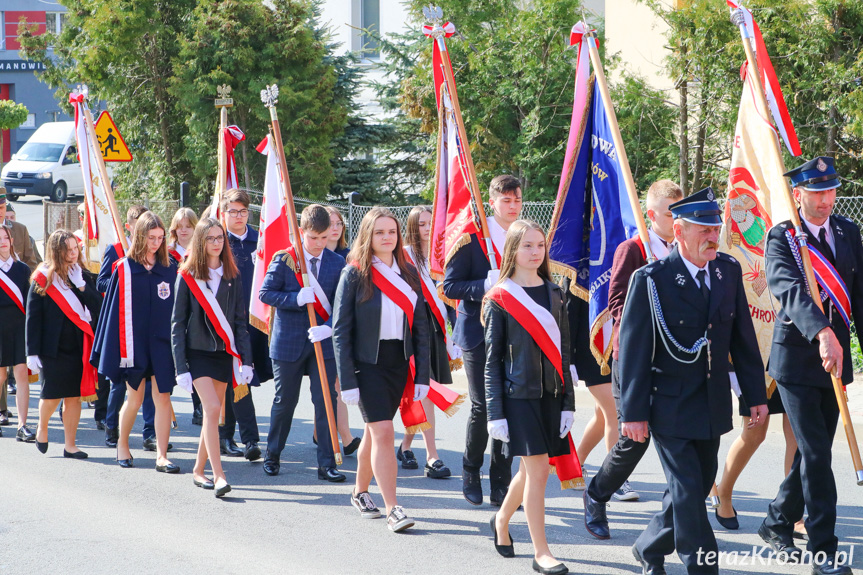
(693, 271)
(242, 237)
(658, 246)
(309, 257)
(6, 265)
(392, 316)
(215, 279)
(816, 231)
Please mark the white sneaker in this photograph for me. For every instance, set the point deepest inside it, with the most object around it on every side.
(626, 493)
(364, 504)
(398, 520)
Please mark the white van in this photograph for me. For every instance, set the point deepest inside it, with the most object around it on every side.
(47, 165)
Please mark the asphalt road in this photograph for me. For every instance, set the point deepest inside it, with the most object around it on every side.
(28, 211)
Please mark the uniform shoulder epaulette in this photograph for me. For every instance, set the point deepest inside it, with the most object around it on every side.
(722, 256)
(286, 257)
(845, 219)
(652, 267)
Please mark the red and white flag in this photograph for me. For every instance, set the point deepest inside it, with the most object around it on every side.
(231, 138)
(274, 233)
(452, 218)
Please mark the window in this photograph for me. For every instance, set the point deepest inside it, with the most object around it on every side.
(54, 22)
(371, 21)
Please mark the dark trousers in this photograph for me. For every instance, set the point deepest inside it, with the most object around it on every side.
(242, 414)
(621, 460)
(100, 406)
(813, 414)
(690, 468)
(500, 471)
(289, 377)
(117, 396)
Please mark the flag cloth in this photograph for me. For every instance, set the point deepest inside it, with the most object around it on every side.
(452, 217)
(231, 138)
(274, 233)
(751, 209)
(102, 231)
(592, 213)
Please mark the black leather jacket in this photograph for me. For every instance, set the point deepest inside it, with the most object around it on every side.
(515, 367)
(356, 329)
(191, 329)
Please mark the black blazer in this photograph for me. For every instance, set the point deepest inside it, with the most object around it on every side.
(515, 366)
(464, 280)
(190, 328)
(45, 319)
(357, 328)
(688, 400)
(794, 355)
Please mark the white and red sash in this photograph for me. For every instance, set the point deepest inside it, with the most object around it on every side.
(534, 318)
(12, 290)
(174, 253)
(322, 303)
(208, 302)
(394, 287)
(437, 307)
(79, 315)
(827, 277)
(124, 293)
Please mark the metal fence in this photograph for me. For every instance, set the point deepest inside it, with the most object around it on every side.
(64, 215)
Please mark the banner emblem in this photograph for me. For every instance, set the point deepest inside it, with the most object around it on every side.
(164, 290)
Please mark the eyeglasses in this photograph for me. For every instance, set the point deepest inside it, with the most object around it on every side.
(337, 224)
(238, 213)
(213, 240)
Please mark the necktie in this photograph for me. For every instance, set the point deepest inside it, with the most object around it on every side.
(822, 239)
(701, 276)
(314, 262)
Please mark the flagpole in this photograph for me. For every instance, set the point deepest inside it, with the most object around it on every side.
(435, 17)
(270, 97)
(103, 172)
(223, 102)
(754, 72)
(619, 148)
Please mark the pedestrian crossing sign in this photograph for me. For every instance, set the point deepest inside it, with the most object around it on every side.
(111, 143)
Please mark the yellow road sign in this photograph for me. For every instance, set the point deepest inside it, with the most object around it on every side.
(111, 143)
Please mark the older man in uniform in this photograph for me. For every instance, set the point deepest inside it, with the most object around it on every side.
(674, 377)
(20, 236)
(807, 345)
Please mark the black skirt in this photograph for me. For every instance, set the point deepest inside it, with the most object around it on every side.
(62, 374)
(440, 371)
(12, 349)
(534, 426)
(382, 384)
(217, 365)
(774, 405)
(163, 384)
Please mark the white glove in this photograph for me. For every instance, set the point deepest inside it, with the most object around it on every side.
(350, 396)
(499, 429)
(246, 373)
(306, 296)
(184, 382)
(420, 392)
(491, 278)
(574, 373)
(319, 333)
(566, 419)
(34, 364)
(457, 353)
(76, 276)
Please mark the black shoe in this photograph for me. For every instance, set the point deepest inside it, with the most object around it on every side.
(223, 490)
(829, 567)
(498, 494)
(169, 468)
(126, 463)
(472, 486)
(112, 435)
(4, 419)
(647, 568)
(437, 470)
(100, 424)
(504, 550)
(150, 444)
(331, 474)
(409, 461)
(228, 447)
(252, 452)
(595, 519)
(206, 484)
(198, 416)
(314, 439)
(730, 523)
(780, 544)
(24, 434)
(11, 389)
(271, 467)
(42, 447)
(352, 447)
(559, 569)
(75, 455)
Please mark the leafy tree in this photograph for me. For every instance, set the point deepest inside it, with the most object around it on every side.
(12, 115)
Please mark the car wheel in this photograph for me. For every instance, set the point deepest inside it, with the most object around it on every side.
(59, 194)
(13, 197)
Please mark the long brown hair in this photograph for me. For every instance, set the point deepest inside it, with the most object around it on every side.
(138, 250)
(514, 236)
(343, 242)
(11, 242)
(180, 215)
(56, 249)
(196, 263)
(412, 235)
(361, 253)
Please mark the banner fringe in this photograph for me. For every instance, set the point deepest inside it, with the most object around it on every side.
(600, 357)
(33, 378)
(456, 364)
(557, 268)
(260, 325)
(453, 409)
(85, 398)
(450, 302)
(240, 392)
(414, 429)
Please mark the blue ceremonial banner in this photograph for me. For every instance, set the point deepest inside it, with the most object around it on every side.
(592, 217)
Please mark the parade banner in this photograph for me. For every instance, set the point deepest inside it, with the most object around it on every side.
(274, 234)
(755, 200)
(230, 138)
